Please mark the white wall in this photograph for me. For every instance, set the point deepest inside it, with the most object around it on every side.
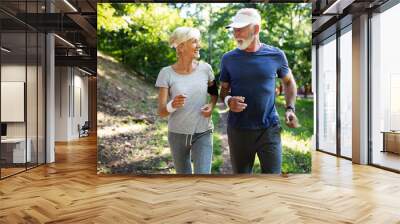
(71, 94)
(61, 103)
(81, 100)
(34, 123)
(14, 73)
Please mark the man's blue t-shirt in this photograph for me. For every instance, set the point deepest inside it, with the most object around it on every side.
(252, 75)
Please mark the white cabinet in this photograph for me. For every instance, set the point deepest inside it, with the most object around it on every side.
(18, 149)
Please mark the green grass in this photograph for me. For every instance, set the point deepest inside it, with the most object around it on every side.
(217, 152)
(296, 154)
(294, 161)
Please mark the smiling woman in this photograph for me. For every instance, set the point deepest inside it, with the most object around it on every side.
(185, 84)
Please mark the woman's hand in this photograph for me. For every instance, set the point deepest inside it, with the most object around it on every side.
(206, 110)
(179, 101)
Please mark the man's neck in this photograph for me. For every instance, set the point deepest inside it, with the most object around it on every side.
(254, 46)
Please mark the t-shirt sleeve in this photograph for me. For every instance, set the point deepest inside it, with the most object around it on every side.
(163, 79)
(283, 69)
(224, 76)
(210, 73)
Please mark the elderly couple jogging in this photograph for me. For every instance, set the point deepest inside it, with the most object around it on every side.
(188, 93)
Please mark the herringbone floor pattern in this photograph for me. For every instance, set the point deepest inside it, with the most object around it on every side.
(69, 191)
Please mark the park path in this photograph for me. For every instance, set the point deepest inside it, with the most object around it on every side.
(226, 167)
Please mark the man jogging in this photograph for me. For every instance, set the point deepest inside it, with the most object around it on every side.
(248, 88)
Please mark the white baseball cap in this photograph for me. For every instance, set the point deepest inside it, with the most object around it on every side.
(242, 19)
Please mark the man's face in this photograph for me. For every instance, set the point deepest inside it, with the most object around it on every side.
(244, 36)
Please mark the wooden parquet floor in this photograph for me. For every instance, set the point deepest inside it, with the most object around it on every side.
(70, 191)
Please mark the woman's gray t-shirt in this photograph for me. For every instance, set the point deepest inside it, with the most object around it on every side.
(188, 119)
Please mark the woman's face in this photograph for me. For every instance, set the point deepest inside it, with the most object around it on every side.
(191, 48)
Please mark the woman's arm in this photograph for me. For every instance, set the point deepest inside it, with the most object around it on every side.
(214, 95)
(208, 108)
(213, 100)
(162, 102)
(178, 102)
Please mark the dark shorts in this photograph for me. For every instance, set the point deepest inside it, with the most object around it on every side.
(244, 144)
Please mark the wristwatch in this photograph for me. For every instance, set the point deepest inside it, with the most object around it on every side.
(291, 108)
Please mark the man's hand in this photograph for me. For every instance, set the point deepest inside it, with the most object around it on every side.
(236, 104)
(290, 88)
(206, 110)
(291, 119)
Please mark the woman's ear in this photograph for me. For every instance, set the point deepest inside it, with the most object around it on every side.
(179, 48)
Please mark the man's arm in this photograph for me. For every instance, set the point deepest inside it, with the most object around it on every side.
(235, 103)
(225, 88)
(290, 88)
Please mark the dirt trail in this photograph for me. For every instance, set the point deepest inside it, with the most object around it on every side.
(226, 167)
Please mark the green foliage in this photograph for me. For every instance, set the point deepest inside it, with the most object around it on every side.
(288, 26)
(217, 142)
(137, 34)
(128, 33)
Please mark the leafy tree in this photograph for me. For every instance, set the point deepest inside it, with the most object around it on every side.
(127, 32)
(137, 34)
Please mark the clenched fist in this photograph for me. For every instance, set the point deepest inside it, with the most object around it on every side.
(236, 104)
(206, 110)
(179, 101)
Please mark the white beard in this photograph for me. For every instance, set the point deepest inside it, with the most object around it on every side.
(245, 42)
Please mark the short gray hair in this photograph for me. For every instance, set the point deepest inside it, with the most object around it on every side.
(182, 34)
